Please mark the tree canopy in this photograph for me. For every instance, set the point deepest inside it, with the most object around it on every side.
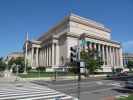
(2, 64)
(130, 65)
(17, 61)
(92, 60)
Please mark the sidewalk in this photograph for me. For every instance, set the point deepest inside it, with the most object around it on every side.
(64, 78)
(14, 78)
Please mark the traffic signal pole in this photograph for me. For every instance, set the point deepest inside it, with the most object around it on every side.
(78, 61)
(78, 67)
(75, 58)
(82, 37)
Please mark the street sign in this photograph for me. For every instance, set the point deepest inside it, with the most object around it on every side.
(82, 64)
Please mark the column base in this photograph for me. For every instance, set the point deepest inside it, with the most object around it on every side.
(25, 72)
(49, 70)
(106, 68)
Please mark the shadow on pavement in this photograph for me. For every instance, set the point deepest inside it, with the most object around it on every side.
(122, 78)
(60, 82)
(124, 90)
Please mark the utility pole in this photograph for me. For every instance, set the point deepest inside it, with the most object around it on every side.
(26, 48)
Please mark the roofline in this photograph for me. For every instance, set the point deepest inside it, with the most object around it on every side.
(78, 19)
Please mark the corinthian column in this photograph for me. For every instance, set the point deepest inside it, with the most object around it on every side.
(99, 50)
(118, 57)
(45, 59)
(57, 55)
(53, 64)
(121, 58)
(42, 57)
(32, 57)
(110, 56)
(49, 55)
(37, 51)
(103, 55)
(113, 57)
(94, 48)
(107, 56)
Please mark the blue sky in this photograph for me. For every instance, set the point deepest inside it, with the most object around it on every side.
(37, 16)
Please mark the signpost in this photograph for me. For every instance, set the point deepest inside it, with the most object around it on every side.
(80, 64)
(75, 58)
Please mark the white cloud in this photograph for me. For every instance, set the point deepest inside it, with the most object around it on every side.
(128, 46)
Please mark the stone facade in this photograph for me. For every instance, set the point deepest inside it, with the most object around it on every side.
(52, 50)
(127, 57)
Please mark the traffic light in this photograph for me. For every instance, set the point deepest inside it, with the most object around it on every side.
(73, 54)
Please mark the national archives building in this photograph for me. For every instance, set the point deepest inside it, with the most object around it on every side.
(52, 49)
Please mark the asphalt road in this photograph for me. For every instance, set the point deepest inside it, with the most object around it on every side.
(90, 89)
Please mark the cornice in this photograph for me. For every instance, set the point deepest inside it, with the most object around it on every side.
(94, 37)
(88, 22)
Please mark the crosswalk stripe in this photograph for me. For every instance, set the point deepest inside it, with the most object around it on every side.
(21, 92)
(17, 96)
(68, 97)
(16, 90)
(31, 92)
(45, 97)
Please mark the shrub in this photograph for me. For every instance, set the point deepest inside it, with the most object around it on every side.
(41, 69)
(29, 69)
(73, 70)
(118, 70)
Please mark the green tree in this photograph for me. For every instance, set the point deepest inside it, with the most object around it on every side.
(92, 60)
(2, 64)
(130, 65)
(17, 61)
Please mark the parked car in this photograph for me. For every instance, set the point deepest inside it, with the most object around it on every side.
(117, 75)
(123, 74)
(129, 83)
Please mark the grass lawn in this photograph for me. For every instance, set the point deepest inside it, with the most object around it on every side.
(130, 97)
(43, 74)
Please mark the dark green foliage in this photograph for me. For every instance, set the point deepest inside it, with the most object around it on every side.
(130, 97)
(92, 60)
(118, 70)
(29, 68)
(2, 65)
(73, 69)
(130, 65)
(41, 69)
(18, 61)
